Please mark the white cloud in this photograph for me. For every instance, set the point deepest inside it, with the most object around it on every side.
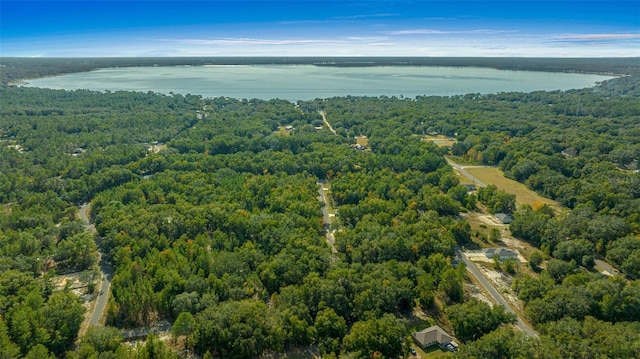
(364, 16)
(250, 41)
(603, 37)
(445, 32)
(382, 44)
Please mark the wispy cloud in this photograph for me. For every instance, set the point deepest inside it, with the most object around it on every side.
(338, 19)
(382, 44)
(444, 32)
(251, 41)
(366, 38)
(363, 16)
(590, 40)
(598, 37)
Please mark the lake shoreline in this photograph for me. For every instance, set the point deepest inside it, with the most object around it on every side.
(309, 81)
(13, 69)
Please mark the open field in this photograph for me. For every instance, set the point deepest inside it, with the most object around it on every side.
(439, 140)
(492, 175)
(362, 140)
(463, 179)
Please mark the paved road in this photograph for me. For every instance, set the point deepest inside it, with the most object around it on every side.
(322, 197)
(83, 213)
(106, 272)
(461, 168)
(473, 269)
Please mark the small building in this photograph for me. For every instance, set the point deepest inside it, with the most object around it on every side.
(470, 187)
(431, 336)
(504, 218)
(501, 253)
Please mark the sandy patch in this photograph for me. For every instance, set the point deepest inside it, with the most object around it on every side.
(491, 220)
(474, 291)
(157, 148)
(440, 141)
(502, 283)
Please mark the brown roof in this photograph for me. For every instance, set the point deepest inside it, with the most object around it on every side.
(430, 335)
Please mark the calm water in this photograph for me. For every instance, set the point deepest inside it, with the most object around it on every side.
(304, 82)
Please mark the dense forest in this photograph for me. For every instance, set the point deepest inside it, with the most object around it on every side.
(208, 210)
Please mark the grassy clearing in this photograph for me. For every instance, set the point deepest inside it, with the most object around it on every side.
(282, 131)
(362, 140)
(491, 175)
(440, 140)
(463, 179)
(433, 351)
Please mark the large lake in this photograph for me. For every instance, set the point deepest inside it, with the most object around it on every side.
(304, 82)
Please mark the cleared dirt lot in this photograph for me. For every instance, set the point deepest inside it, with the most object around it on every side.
(440, 141)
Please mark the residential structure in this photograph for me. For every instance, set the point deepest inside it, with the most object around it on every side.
(504, 218)
(501, 253)
(431, 336)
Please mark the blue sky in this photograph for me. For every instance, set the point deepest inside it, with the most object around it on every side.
(563, 28)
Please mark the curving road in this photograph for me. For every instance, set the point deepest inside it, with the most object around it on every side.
(473, 269)
(106, 272)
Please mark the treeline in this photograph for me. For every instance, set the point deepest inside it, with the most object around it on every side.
(208, 210)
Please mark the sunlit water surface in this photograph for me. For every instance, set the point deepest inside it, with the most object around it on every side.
(304, 82)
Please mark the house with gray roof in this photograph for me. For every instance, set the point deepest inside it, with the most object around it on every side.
(431, 336)
(501, 253)
(504, 218)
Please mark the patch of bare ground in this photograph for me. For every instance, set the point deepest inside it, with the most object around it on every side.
(474, 291)
(156, 148)
(439, 140)
(502, 283)
(78, 285)
(175, 344)
(484, 223)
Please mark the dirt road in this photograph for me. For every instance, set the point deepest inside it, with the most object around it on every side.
(324, 119)
(322, 197)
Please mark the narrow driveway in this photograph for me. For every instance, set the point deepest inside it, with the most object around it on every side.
(473, 269)
(460, 168)
(106, 272)
(322, 197)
